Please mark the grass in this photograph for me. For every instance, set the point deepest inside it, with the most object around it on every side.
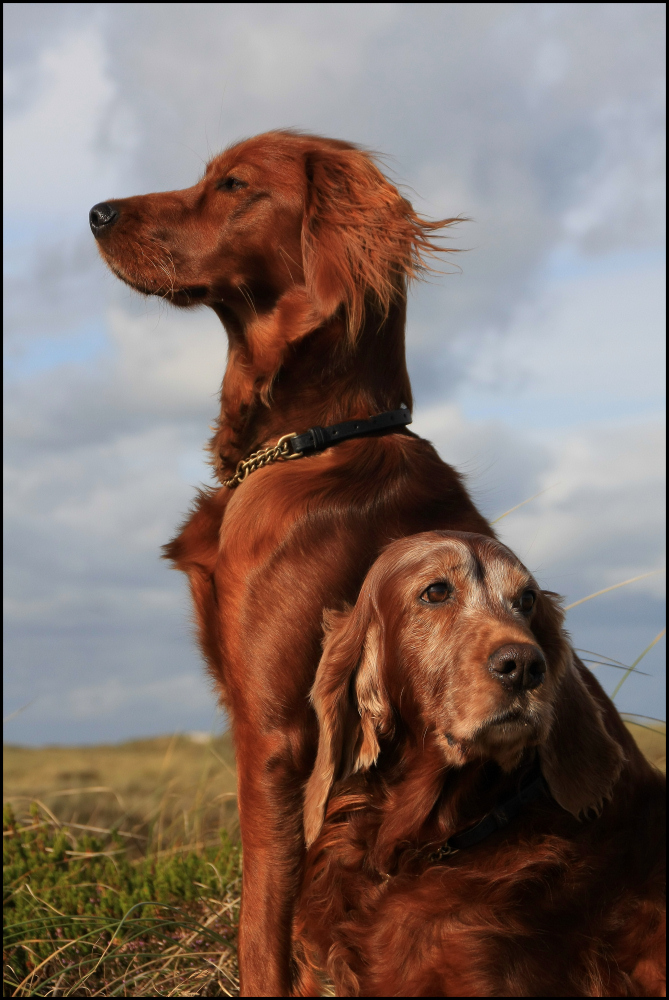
(651, 738)
(122, 868)
(163, 791)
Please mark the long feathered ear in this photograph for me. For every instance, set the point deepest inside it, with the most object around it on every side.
(361, 240)
(579, 760)
(351, 706)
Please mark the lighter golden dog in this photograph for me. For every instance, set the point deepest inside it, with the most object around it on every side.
(491, 829)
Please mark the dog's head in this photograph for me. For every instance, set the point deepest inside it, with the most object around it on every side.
(452, 635)
(284, 221)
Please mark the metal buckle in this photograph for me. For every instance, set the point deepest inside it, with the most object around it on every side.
(259, 459)
(290, 454)
(445, 851)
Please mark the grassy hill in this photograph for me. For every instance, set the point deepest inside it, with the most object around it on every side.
(167, 790)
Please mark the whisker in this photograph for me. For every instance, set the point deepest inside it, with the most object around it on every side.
(158, 264)
(284, 254)
(248, 297)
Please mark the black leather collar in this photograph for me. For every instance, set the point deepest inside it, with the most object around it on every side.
(318, 438)
(315, 439)
(496, 819)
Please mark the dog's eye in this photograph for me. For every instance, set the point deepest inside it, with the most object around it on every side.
(231, 184)
(436, 593)
(525, 602)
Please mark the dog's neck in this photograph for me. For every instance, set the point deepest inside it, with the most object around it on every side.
(321, 378)
(432, 803)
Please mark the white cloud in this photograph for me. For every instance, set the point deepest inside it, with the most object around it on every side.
(601, 517)
(594, 339)
(172, 360)
(605, 512)
(53, 164)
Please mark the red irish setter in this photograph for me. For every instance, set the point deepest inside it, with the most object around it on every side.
(303, 249)
(493, 829)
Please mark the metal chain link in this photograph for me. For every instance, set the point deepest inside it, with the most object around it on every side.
(280, 452)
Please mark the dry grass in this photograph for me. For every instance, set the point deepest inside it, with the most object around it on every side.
(651, 738)
(166, 790)
(83, 919)
(116, 879)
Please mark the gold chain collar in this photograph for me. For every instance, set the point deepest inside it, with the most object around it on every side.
(280, 452)
(317, 439)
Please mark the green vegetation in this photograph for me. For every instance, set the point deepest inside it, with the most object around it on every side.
(121, 870)
(81, 919)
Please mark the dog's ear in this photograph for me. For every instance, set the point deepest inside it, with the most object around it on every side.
(580, 761)
(350, 703)
(361, 240)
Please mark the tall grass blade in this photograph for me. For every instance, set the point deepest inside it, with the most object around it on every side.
(633, 716)
(614, 666)
(602, 656)
(638, 659)
(615, 586)
(522, 504)
(17, 711)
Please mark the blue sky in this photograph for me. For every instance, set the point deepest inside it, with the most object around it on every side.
(537, 366)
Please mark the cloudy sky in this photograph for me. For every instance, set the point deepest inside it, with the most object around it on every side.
(538, 366)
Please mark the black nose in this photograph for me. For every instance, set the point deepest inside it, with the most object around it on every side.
(102, 217)
(520, 666)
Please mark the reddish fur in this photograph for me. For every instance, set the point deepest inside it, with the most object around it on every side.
(563, 901)
(307, 268)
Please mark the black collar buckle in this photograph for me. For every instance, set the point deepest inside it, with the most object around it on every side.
(497, 819)
(318, 438)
